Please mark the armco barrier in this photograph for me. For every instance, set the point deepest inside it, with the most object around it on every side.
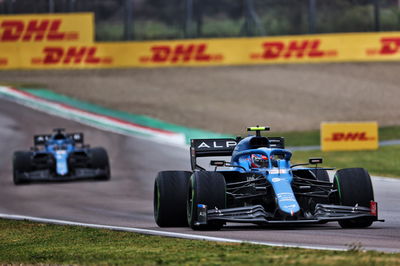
(356, 47)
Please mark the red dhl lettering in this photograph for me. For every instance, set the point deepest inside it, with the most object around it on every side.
(298, 49)
(34, 30)
(180, 53)
(349, 136)
(390, 45)
(3, 61)
(71, 55)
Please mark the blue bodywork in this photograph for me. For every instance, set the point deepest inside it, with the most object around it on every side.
(60, 148)
(278, 173)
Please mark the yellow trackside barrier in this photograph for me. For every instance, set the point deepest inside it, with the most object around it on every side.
(341, 136)
(83, 53)
(26, 29)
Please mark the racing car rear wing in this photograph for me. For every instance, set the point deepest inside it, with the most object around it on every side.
(210, 147)
(42, 139)
(225, 147)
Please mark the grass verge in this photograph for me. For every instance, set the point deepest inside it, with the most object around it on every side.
(36, 243)
(381, 162)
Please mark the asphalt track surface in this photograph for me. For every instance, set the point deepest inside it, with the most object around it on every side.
(126, 200)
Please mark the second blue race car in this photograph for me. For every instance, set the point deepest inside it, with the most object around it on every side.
(60, 157)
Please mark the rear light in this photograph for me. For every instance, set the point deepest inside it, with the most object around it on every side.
(373, 205)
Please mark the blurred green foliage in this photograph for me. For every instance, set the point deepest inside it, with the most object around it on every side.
(160, 19)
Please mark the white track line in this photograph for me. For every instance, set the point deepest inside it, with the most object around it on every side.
(163, 233)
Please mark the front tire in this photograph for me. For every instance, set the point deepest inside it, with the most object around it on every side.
(22, 163)
(208, 188)
(170, 195)
(99, 160)
(354, 187)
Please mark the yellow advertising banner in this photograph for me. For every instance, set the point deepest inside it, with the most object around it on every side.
(345, 136)
(83, 53)
(58, 56)
(27, 29)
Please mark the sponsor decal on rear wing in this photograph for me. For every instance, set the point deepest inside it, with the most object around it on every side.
(213, 147)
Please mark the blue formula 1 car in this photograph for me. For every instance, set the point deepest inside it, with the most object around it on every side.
(260, 185)
(60, 157)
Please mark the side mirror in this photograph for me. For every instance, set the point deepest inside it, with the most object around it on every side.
(315, 160)
(217, 163)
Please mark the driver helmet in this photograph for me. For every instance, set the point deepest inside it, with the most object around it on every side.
(259, 161)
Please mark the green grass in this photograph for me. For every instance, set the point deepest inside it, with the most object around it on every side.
(383, 162)
(299, 138)
(35, 243)
(311, 138)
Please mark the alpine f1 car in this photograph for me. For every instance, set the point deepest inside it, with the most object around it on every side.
(60, 157)
(260, 185)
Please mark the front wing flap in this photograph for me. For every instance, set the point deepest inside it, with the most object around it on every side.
(257, 215)
(46, 175)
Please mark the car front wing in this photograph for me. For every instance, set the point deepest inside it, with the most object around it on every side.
(47, 175)
(256, 214)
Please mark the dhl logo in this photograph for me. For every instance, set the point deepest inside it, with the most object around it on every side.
(71, 55)
(34, 30)
(293, 49)
(349, 136)
(180, 53)
(389, 46)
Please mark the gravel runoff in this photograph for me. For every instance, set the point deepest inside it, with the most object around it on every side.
(227, 99)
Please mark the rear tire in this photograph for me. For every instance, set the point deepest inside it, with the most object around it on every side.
(321, 174)
(354, 187)
(208, 188)
(99, 160)
(170, 196)
(22, 163)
